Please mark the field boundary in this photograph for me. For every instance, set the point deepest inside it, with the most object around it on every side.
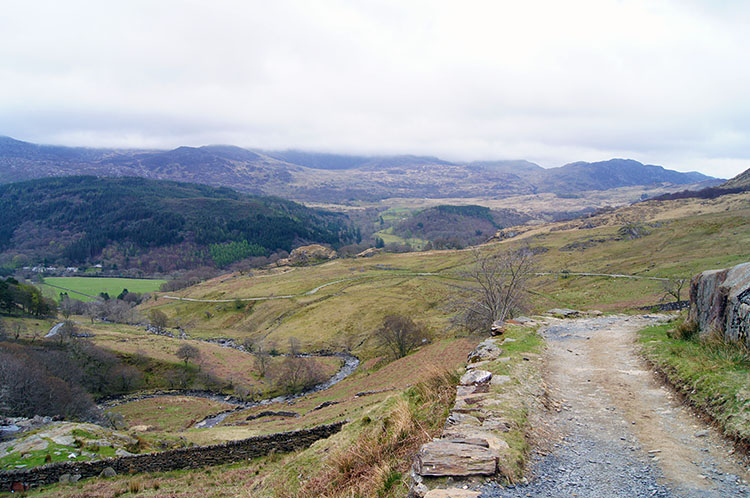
(183, 458)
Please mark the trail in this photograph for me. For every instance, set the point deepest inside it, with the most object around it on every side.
(617, 431)
(308, 293)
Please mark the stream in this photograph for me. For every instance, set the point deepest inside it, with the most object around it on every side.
(351, 363)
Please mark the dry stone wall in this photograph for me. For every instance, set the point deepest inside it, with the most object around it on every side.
(720, 301)
(184, 458)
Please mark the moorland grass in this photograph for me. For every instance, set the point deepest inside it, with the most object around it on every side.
(714, 376)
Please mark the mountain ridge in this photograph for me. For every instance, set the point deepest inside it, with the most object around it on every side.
(322, 177)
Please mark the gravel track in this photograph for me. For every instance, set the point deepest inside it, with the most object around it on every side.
(614, 429)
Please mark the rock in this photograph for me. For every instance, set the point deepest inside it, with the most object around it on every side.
(464, 390)
(486, 350)
(497, 327)
(445, 458)
(564, 312)
(107, 472)
(701, 434)
(457, 418)
(121, 452)
(324, 404)
(140, 428)
(66, 440)
(64, 479)
(452, 493)
(720, 300)
(306, 254)
(75, 478)
(419, 490)
(475, 376)
(478, 364)
(369, 252)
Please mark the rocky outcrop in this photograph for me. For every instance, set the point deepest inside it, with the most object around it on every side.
(720, 303)
(308, 254)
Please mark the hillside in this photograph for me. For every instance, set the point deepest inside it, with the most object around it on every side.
(457, 225)
(740, 181)
(316, 177)
(151, 225)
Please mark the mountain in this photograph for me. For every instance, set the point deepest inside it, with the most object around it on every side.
(318, 177)
(614, 173)
(740, 181)
(153, 225)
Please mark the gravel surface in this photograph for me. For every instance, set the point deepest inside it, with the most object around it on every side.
(616, 431)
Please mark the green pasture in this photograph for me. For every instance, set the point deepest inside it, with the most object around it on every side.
(87, 288)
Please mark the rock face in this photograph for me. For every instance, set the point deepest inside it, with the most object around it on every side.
(720, 301)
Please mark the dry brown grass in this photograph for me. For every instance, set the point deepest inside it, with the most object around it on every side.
(375, 463)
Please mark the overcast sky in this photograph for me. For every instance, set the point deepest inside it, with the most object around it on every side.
(663, 82)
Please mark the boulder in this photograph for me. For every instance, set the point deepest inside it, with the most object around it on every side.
(720, 300)
(486, 350)
(449, 458)
(475, 376)
(452, 493)
(564, 312)
(369, 252)
(108, 472)
(497, 327)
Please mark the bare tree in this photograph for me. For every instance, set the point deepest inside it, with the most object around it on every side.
(294, 346)
(158, 320)
(400, 335)
(297, 374)
(188, 352)
(262, 360)
(500, 282)
(673, 288)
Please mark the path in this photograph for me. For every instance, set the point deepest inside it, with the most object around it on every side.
(308, 293)
(617, 431)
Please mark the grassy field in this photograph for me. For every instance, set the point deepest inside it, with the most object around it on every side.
(711, 374)
(169, 413)
(88, 288)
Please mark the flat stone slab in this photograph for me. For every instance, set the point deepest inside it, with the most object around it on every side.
(446, 458)
(564, 312)
(475, 376)
(452, 493)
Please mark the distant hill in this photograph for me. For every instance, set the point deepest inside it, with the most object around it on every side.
(457, 226)
(319, 177)
(740, 181)
(152, 225)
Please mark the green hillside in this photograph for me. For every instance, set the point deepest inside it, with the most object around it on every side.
(151, 225)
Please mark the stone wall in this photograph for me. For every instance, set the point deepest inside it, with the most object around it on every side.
(183, 458)
(720, 301)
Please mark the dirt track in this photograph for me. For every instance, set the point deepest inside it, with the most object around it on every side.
(614, 429)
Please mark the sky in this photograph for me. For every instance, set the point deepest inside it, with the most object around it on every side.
(662, 82)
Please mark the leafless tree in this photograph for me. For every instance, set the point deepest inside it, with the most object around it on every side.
(294, 346)
(673, 288)
(499, 289)
(297, 374)
(158, 320)
(261, 359)
(400, 335)
(188, 352)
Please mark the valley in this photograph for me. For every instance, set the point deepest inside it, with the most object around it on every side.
(250, 328)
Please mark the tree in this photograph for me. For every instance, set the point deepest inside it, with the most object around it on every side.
(673, 287)
(399, 335)
(297, 374)
(294, 346)
(500, 282)
(158, 320)
(188, 352)
(262, 360)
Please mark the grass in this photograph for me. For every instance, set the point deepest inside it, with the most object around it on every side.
(88, 288)
(169, 413)
(713, 376)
